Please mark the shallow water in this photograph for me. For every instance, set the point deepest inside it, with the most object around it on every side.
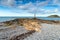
(2, 19)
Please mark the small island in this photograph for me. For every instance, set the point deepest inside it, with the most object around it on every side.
(54, 16)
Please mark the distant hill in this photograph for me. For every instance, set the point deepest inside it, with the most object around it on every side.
(53, 16)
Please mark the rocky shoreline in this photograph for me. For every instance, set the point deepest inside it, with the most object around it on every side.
(20, 21)
(14, 29)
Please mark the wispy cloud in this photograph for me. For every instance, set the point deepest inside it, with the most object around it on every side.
(14, 13)
(7, 2)
(40, 8)
(33, 7)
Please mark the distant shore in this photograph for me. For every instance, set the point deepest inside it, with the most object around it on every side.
(10, 22)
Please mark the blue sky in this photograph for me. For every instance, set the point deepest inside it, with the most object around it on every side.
(42, 8)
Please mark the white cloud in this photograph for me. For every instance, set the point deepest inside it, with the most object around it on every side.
(32, 8)
(7, 2)
(26, 6)
(29, 7)
(37, 7)
(55, 2)
(44, 3)
(54, 11)
(10, 13)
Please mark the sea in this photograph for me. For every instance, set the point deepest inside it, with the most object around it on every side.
(2, 19)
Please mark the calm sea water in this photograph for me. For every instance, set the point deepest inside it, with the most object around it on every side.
(2, 19)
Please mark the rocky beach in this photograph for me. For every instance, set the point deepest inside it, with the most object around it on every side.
(15, 30)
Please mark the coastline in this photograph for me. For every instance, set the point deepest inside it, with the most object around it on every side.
(49, 30)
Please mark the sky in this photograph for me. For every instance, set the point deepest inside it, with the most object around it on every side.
(25, 8)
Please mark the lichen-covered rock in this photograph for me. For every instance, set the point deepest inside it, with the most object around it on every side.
(32, 25)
